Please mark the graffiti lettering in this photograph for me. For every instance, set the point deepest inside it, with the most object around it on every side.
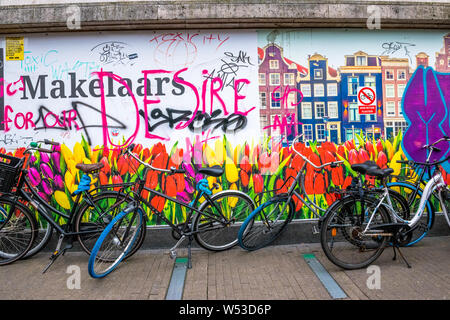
(201, 122)
(286, 125)
(241, 57)
(392, 47)
(284, 97)
(8, 139)
(114, 52)
(12, 87)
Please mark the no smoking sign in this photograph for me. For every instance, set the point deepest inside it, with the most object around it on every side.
(367, 100)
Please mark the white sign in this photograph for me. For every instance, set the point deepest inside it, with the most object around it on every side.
(367, 100)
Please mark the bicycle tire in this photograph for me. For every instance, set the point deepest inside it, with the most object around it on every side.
(97, 257)
(444, 195)
(88, 218)
(426, 221)
(19, 229)
(341, 250)
(213, 234)
(43, 237)
(252, 234)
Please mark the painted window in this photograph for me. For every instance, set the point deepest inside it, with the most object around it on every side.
(307, 132)
(318, 90)
(320, 109)
(400, 89)
(369, 81)
(289, 79)
(353, 114)
(390, 91)
(306, 110)
(291, 100)
(321, 132)
(276, 101)
(263, 100)
(401, 75)
(318, 74)
(400, 112)
(390, 108)
(333, 109)
(371, 117)
(273, 64)
(352, 86)
(262, 79)
(274, 79)
(400, 125)
(389, 75)
(305, 88)
(263, 121)
(361, 60)
(332, 90)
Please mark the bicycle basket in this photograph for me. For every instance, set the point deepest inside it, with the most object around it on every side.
(9, 172)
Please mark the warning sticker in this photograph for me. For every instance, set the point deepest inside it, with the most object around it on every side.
(14, 48)
(367, 100)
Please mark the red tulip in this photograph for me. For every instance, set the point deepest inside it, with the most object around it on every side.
(341, 150)
(315, 159)
(264, 163)
(122, 165)
(298, 203)
(337, 176)
(349, 145)
(382, 160)
(245, 164)
(244, 178)
(160, 160)
(146, 154)
(347, 182)
(158, 203)
(379, 146)
(137, 149)
(103, 178)
(297, 162)
(363, 156)
(370, 149)
(106, 167)
(353, 156)
(171, 186)
(258, 183)
(117, 180)
(280, 186)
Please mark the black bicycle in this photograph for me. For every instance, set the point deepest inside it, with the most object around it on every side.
(91, 212)
(211, 224)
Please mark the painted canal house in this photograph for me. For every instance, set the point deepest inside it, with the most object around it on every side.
(361, 70)
(277, 92)
(320, 112)
(443, 57)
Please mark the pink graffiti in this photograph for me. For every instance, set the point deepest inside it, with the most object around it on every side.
(285, 95)
(283, 125)
(9, 91)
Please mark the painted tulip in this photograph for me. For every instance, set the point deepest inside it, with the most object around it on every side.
(158, 203)
(280, 186)
(298, 203)
(78, 152)
(179, 178)
(171, 186)
(315, 159)
(122, 165)
(245, 164)
(43, 196)
(56, 148)
(309, 182)
(353, 156)
(56, 159)
(44, 157)
(382, 160)
(34, 176)
(58, 182)
(347, 182)
(349, 145)
(232, 201)
(274, 162)
(189, 169)
(47, 187)
(363, 156)
(69, 179)
(264, 163)
(219, 149)
(258, 183)
(103, 178)
(137, 149)
(160, 160)
(117, 180)
(297, 162)
(337, 176)
(244, 178)
(32, 158)
(379, 146)
(146, 154)
(183, 196)
(106, 167)
(62, 200)
(188, 186)
(18, 153)
(370, 149)
(46, 170)
(210, 156)
(231, 171)
(341, 151)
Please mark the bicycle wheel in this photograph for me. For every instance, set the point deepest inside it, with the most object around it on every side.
(115, 242)
(216, 227)
(17, 231)
(426, 220)
(266, 223)
(342, 235)
(444, 198)
(43, 235)
(94, 217)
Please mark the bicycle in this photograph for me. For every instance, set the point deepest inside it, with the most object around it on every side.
(86, 219)
(211, 224)
(357, 228)
(267, 222)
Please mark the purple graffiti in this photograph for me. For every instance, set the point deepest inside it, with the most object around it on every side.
(426, 107)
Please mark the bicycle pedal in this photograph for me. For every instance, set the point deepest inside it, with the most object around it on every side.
(173, 254)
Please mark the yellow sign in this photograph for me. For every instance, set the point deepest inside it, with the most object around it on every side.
(14, 48)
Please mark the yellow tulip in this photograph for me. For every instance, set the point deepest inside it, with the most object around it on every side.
(232, 201)
(389, 149)
(94, 155)
(394, 165)
(210, 156)
(231, 171)
(69, 179)
(66, 153)
(71, 165)
(86, 161)
(62, 200)
(211, 181)
(219, 149)
(78, 153)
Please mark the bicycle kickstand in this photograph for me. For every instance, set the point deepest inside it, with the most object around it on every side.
(401, 255)
(56, 253)
(189, 266)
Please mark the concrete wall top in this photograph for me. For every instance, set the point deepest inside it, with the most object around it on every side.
(52, 15)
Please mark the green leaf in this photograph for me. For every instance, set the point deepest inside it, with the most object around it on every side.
(347, 165)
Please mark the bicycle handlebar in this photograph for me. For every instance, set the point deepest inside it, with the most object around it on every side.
(332, 164)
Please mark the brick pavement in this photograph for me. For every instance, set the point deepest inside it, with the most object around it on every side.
(276, 272)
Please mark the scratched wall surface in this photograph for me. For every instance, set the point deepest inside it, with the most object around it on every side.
(230, 98)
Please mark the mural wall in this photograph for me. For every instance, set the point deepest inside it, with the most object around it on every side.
(229, 98)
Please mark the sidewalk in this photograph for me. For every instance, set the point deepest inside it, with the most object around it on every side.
(277, 272)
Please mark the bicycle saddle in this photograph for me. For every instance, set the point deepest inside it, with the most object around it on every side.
(363, 167)
(379, 173)
(215, 171)
(89, 168)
